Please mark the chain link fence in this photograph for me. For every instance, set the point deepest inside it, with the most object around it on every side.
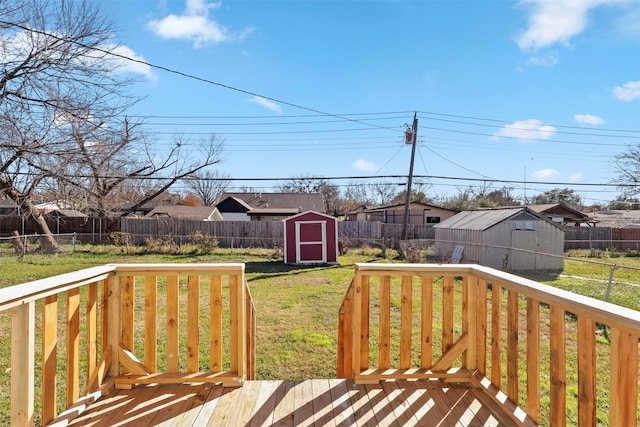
(605, 274)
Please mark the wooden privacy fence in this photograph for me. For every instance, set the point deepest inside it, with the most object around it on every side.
(124, 325)
(260, 233)
(88, 229)
(271, 233)
(467, 323)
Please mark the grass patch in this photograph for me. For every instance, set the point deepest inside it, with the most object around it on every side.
(297, 308)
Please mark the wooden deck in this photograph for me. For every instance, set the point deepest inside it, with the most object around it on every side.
(318, 402)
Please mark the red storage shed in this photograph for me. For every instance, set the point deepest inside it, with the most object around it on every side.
(311, 238)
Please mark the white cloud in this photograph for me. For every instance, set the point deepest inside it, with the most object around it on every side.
(628, 91)
(553, 22)
(588, 119)
(556, 21)
(546, 174)
(126, 66)
(195, 25)
(268, 104)
(364, 165)
(526, 130)
(576, 177)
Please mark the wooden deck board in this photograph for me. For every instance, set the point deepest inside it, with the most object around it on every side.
(321, 402)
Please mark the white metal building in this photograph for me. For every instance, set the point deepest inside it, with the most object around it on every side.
(510, 239)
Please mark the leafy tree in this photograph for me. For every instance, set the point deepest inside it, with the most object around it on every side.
(502, 197)
(461, 201)
(558, 195)
(416, 196)
(623, 202)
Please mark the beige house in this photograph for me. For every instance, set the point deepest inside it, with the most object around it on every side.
(419, 213)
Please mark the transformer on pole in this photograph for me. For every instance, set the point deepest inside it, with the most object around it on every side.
(410, 138)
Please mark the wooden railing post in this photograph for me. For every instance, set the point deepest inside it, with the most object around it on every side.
(22, 364)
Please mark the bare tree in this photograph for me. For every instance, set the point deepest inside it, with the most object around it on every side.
(383, 192)
(354, 195)
(627, 169)
(208, 185)
(107, 157)
(314, 184)
(63, 107)
(55, 61)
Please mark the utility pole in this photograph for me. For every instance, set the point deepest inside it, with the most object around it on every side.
(413, 134)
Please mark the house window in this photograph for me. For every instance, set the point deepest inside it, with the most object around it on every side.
(433, 219)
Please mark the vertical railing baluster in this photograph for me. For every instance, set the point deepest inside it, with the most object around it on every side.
(481, 327)
(128, 301)
(384, 326)
(215, 327)
(364, 335)
(533, 359)
(447, 313)
(173, 325)
(73, 345)
(240, 327)
(233, 323)
(469, 325)
(512, 346)
(496, 335)
(250, 348)
(558, 367)
(406, 315)
(151, 322)
(49, 357)
(193, 329)
(623, 400)
(92, 328)
(426, 323)
(587, 371)
(357, 323)
(114, 321)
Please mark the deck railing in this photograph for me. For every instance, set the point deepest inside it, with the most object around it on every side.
(475, 324)
(108, 326)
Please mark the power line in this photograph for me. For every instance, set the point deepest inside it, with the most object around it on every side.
(508, 122)
(186, 75)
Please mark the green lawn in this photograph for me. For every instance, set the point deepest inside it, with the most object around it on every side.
(297, 307)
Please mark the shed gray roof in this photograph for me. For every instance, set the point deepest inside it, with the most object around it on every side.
(482, 219)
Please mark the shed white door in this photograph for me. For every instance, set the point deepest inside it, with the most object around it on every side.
(311, 241)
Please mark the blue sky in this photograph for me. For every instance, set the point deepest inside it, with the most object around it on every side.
(542, 92)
